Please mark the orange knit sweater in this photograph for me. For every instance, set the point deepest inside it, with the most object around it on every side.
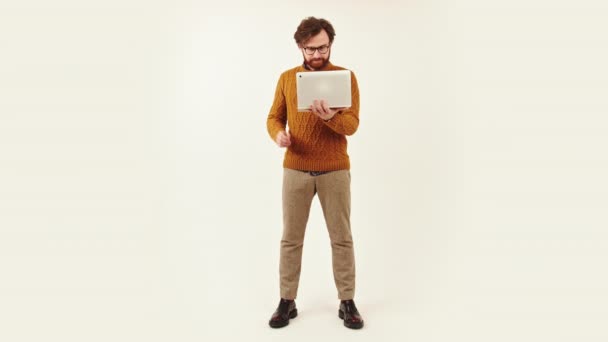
(316, 145)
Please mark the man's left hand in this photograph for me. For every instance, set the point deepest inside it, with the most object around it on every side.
(322, 110)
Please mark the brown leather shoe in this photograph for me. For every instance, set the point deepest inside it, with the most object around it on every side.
(349, 313)
(285, 311)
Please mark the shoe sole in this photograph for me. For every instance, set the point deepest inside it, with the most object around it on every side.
(292, 314)
(349, 325)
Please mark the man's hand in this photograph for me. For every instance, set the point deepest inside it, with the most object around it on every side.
(322, 110)
(283, 139)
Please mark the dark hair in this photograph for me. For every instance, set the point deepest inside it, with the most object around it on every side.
(312, 26)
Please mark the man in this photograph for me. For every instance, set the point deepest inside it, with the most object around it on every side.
(316, 162)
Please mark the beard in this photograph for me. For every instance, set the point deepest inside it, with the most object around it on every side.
(317, 63)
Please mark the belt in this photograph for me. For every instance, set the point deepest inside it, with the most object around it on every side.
(315, 173)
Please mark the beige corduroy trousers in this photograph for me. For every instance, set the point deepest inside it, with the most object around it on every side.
(333, 189)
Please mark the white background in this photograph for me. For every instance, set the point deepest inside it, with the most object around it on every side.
(140, 192)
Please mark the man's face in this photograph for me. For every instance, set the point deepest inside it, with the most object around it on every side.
(317, 60)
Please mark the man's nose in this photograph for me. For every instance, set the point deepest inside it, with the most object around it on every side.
(316, 52)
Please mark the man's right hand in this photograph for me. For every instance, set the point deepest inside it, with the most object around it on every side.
(283, 139)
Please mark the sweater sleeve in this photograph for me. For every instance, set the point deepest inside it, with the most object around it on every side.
(346, 122)
(277, 118)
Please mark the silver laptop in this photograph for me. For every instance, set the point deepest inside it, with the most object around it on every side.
(331, 86)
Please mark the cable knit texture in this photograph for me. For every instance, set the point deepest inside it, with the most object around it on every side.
(316, 145)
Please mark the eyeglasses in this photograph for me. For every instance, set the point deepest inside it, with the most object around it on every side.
(311, 50)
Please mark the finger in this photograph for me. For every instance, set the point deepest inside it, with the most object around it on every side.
(317, 106)
(321, 107)
(325, 106)
(320, 110)
(314, 110)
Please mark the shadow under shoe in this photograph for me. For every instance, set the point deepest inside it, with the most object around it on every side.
(286, 310)
(349, 313)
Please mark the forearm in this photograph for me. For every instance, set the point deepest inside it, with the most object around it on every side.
(275, 125)
(277, 117)
(345, 122)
